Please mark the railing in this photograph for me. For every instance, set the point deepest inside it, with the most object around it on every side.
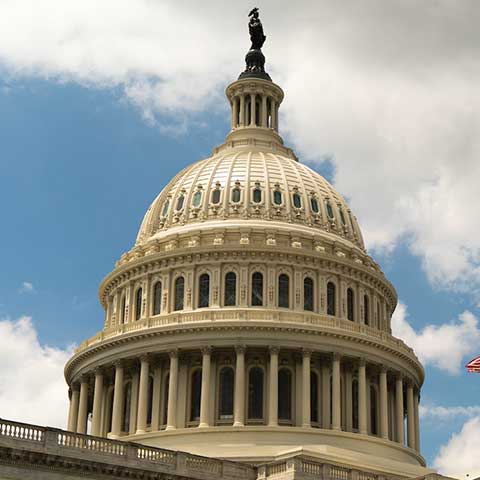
(21, 431)
(249, 314)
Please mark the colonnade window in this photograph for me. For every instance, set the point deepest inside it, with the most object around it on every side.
(331, 300)
(195, 394)
(255, 393)
(283, 291)
(179, 293)
(204, 290)
(373, 410)
(165, 399)
(127, 404)
(355, 404)
(284, 394)
(350, 304)
(308, 294)
(157, 298)
(366, 310)
(313, 397)
(122, 310)
(379, 314)
(150, 400)
(226, 389)
(257, 289)
(230, 298)
(138, 304)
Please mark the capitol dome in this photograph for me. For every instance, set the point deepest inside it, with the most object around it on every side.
(248, 320)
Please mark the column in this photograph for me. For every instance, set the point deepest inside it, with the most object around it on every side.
(273, 108)
(383, 403)
(264, 110)
(242, 110)
(362, 398)
(83, 406)
(143, 395)
(306, 413)
(73, 414)
(118, 400)
(273, 388)
(97, 403)
(172, 391)
(205, 393)
(253, 109)
(399, 410)
(131, 301)
(148, 298)
(336, 402)
(239, 407)
(410, 417)
(234, 112)
(417, 420)
(326, 421)
(348, 399)
(108, 312)
(157, 392)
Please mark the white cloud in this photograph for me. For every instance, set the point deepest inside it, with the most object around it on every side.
(443, 346)
(386, 91)
(27, 287)
(459, 456)
(32, 386)
(437, 412)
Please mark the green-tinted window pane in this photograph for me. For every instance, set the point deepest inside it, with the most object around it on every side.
(236, 195)
(297, 201)
(257, 195)
(197, 197)
(180, 202)
(216, 196)
(277, 197)
(330, 210)
(314, 204)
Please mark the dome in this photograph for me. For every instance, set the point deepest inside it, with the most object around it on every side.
(243, 186)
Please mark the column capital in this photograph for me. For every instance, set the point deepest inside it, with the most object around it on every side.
(75, 386)
(383, 369)
(119, 364)
(336, 356)
(362, 362)
(146, 357)
(240, 348)
(206, 350)
(84, 378)
(173, 353)
(399, 377)
(306, 352)
(274, 350)
(99, 371)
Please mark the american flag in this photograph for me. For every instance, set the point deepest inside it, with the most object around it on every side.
(473, 365)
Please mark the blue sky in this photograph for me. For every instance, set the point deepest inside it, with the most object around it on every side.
(89, 136)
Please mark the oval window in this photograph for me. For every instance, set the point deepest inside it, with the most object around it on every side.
(257, 195)
(180, 201)
(236, 195)
(330, 210)
(297, 201)
(165, 208)
(216, 196)
(277, 197)
(197, 197)
(342, 216)
(314, 204)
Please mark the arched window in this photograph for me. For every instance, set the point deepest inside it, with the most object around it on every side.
(314, 204)
(297, 200)
(255, 393)
(283, 290)
(157, 298)
(197, 198)
(195, 394)
(226, 381)
(257, 289)
(138, 304)
(165, 399)
(230, 289)
(165, 208)
(179, 293)
(366, 310)
(350, 305)
(204, 290)
(257, 195)
(216, 196)
(355, 404)
(308, 294)
(313, 397)
(331, 300)
(180, 201)
(329, 210)
(127, 399)
(277, 197)
(122, 310)
(373, 410)
(236, 195)
(150, 401)
(284, 394)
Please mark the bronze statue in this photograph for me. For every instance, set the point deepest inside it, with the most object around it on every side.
(256, 30)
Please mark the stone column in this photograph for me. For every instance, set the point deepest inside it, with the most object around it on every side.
(205, 393)
(273, 390)
(417, 420)
(157, 395)
(131, 302)
(264, 110)
(108, 312)
(410, 417)
(118, 400)
(273, 107)
(306, 407)
(242, 110)
(82, 409)
(253, 109)
(362, 398)
(143, 395)
(73, 414)
(147, 312)
(399, 410)
(234, 112)
(239, 407)
(326, 420)
(383, 403)
(172, 391)
(348, 400)
(97, 403)
(336, 401)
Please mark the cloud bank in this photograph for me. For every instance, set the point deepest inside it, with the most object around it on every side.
(433, 344)
(32, 386)
(387, 92)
